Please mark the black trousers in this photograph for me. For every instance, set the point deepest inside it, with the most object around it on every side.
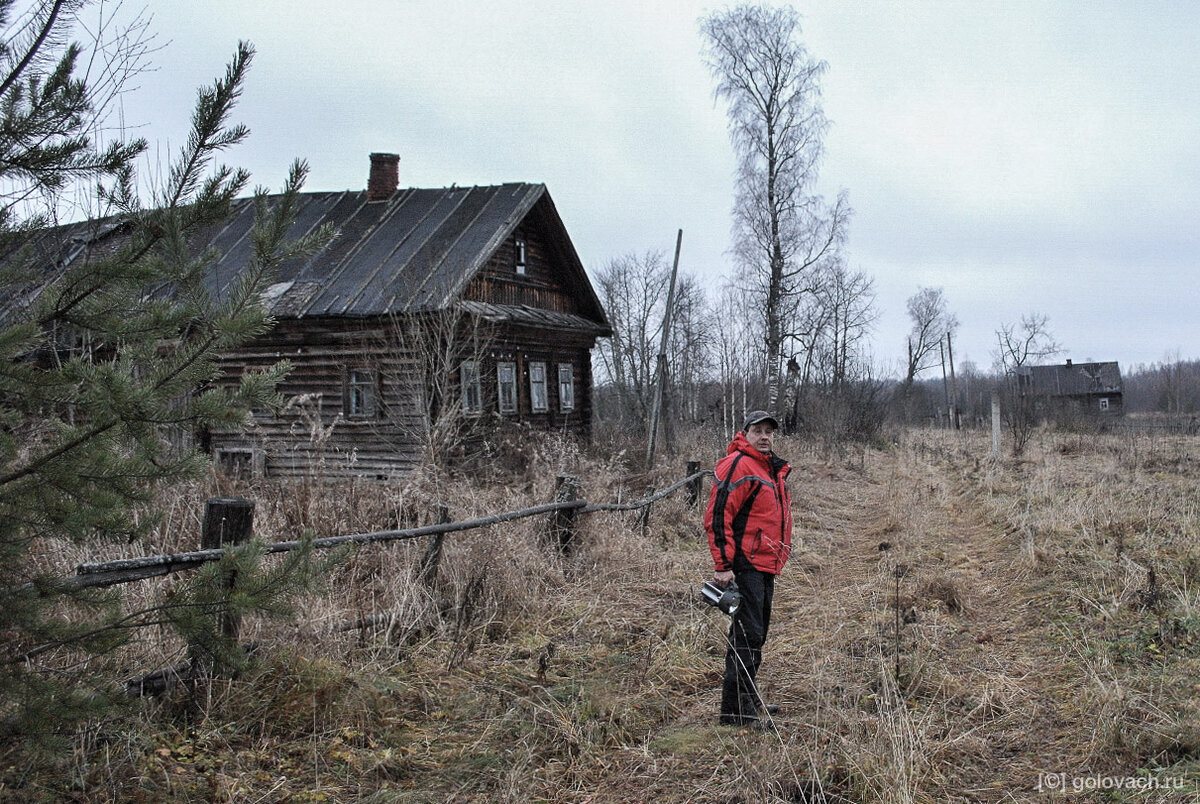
(743, 655)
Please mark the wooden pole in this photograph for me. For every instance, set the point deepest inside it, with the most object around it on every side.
(945, 387)
(995, 425)
(227, 522)
(661, 379)
(645, 515)
(433, 553)
(563, 522)
(954, 422)
(693, 489)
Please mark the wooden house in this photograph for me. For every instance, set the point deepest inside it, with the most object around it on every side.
(433, 314)
(1074, 389)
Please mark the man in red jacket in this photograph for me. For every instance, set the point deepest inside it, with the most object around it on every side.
(749, 525)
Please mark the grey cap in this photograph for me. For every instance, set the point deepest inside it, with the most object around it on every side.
(757, 416)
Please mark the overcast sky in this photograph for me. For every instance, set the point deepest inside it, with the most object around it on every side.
(1024, 156)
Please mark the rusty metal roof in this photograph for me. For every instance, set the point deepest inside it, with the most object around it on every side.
(413, 252)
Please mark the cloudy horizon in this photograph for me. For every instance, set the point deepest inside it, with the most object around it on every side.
(1030, 157)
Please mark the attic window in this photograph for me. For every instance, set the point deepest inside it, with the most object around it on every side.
(519, 255)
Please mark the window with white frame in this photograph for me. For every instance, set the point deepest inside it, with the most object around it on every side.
(360, 393)
(566, 387)
(1104, 403)
(506, 387)
(537, 388)
(472, 396)
(519, 255)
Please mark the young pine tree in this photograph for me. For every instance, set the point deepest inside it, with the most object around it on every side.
(109, 341)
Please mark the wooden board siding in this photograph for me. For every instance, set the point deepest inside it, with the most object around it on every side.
(313, 435)
(316, 436)
(540, 286)
(523, 346)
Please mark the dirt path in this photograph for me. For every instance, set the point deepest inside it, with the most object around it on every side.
(975, 711)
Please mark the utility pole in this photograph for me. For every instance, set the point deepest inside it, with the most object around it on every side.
(660, 390)
(953, 385)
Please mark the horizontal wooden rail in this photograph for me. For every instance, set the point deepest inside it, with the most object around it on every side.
(125, 570)
(643, 502)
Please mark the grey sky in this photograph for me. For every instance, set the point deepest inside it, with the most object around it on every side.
(1025, 156)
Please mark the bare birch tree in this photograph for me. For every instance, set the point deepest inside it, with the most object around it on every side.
(931, 322)
(783, 230)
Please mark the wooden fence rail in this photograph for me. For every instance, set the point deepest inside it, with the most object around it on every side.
(126, 570)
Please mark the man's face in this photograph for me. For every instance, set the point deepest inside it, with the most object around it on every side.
(761, 436)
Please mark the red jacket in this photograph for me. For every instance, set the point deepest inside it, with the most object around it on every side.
(749, 516)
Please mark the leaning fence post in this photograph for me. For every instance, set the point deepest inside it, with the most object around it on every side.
(433, 553)
(227, 522)
(693, 486)
(566, 489)
(645, 515)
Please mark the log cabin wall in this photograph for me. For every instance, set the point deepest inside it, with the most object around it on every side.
(359, 395)
(321, 430)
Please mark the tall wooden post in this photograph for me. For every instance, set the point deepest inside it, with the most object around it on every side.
(954, 417)
(995, 425)
(661, 380)
(227, 522)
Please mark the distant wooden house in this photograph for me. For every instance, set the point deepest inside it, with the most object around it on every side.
(1074, 389)
(458, 308)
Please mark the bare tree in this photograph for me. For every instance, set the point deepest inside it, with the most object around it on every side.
(632, 289)
(1017, 347)
(739, 358)
(931, 322)
(1020, 345)
(783, 231)
(690, 350)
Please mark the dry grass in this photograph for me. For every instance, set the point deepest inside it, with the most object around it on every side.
(1014, 599)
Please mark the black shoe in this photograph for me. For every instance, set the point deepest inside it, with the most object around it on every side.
(739, 719)
(753, 722)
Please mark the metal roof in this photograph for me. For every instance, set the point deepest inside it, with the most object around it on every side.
(1075, 379)
(413, 252)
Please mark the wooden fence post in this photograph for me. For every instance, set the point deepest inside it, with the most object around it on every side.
(995, 425)
(566, 489)
(693, 486)
(645, 515)
(433, 553)
(227, 522)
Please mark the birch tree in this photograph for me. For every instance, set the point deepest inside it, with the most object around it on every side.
(783, 230)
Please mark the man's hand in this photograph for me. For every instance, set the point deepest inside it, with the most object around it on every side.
(723, 579)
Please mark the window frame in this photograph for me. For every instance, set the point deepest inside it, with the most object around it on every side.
(520, 255)
(470, 385)
(566, 390)
(538, 402)
(506, 407)
(362, 393)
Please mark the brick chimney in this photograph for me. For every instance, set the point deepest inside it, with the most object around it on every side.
(384, 178)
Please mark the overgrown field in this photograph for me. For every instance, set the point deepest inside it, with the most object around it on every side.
(949, 629)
